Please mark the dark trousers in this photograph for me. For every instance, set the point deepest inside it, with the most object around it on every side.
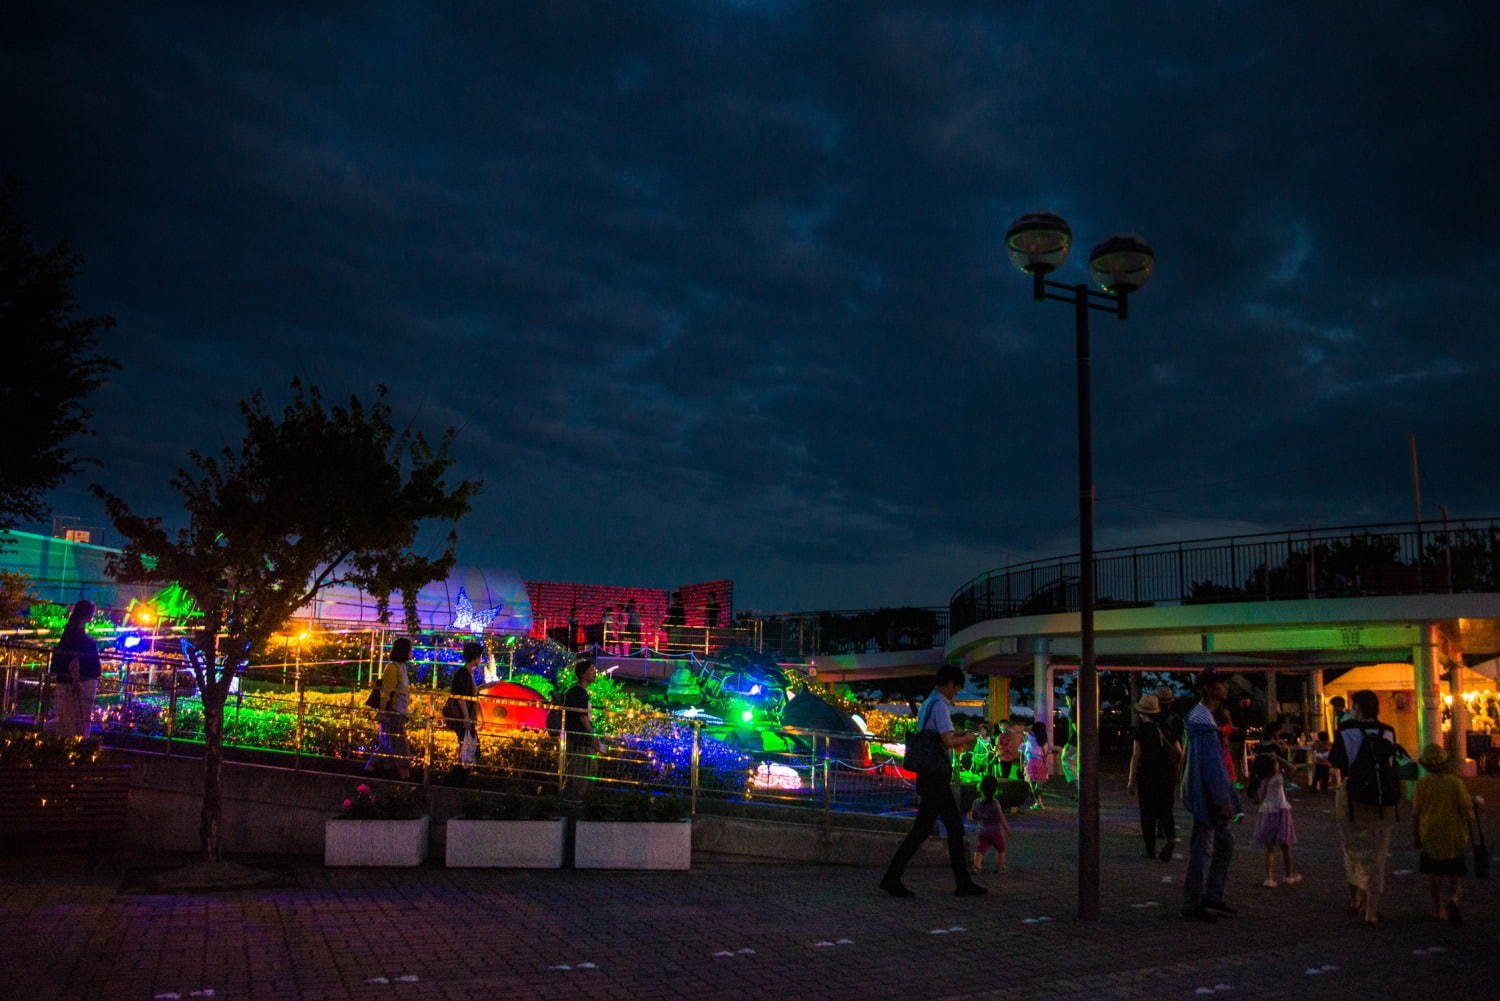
(934, 802)
(1211, 847)
(1156, 815)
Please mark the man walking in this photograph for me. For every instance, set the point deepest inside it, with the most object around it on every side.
(935, 792)
(1209, 795)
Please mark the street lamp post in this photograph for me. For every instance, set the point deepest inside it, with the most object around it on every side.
(1038, 244)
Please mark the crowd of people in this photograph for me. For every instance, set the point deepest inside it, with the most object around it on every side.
(1187, 752)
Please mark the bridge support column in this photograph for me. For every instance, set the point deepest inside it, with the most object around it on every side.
(1042, 680)
(1319, 714)
(998, 698)
(1424, 662)
(1273, 703)
(1459, 752)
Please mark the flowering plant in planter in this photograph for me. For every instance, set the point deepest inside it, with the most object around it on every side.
(396, 804)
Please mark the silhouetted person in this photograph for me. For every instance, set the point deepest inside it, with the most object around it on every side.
(1208, 794)
(578, 724)
(75, 673)
(935, 793)
(390, 718)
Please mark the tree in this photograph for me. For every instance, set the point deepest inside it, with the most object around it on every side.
(15, 598)
(317, 497)
(51, 365)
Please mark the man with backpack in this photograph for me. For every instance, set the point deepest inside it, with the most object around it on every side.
(1365, 804)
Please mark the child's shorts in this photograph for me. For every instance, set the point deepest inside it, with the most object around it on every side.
(992, 839)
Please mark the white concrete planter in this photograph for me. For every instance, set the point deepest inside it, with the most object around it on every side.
(515, 844)
(613, 844)
(375, 842)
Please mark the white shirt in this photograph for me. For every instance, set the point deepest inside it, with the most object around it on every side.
(939, 716)
(1273, 795)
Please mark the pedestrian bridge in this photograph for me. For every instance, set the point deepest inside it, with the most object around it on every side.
(1415, 594)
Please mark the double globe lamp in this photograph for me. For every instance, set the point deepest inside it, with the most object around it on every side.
(1038, 244)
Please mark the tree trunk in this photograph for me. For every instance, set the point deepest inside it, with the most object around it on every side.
(213, 759)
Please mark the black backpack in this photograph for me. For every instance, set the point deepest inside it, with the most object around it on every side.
(1373, 778)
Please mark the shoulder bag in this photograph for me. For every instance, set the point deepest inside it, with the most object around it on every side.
(926, 753)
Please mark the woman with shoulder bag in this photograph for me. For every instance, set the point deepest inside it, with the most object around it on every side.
(390, 717)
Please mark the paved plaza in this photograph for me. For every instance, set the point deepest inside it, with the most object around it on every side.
(726, 931)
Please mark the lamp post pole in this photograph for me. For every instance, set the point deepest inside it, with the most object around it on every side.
(1088, 672)
(1038, 244)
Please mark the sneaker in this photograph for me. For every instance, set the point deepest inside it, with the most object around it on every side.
(1295, 877)
(1219, 906)
(970, 890)
(1271, 884)
(895, 888)
(1197, 912)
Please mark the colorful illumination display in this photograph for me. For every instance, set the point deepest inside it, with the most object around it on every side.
(466, 619)
(768, 775)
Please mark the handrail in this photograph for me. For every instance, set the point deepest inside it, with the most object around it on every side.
(1340, 561)
(322, 731)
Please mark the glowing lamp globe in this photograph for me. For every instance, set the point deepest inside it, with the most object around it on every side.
(1038, 242)
(1122, 264)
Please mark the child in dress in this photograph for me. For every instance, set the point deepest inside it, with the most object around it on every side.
(1274, 826)
(1444, 811)
(1035, 752)
(993, 827)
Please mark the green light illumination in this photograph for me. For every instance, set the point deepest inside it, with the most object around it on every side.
(747, 715)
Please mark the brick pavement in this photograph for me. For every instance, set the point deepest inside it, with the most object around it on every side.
(743, 931)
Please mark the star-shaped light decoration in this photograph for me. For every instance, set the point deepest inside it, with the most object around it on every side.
(466, 619)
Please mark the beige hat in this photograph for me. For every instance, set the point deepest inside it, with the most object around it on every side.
(1148, 705)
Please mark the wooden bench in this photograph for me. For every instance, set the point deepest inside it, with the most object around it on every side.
(64, 801)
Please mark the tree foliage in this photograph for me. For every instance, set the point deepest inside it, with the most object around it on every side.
(315, 496)
(51, 364)
(15, 598)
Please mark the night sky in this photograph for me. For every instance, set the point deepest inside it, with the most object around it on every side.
(718, 288)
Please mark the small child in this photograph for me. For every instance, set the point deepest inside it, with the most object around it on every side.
(993, 827)
(1321, 749)
(1444, 811)
(1274, 826)
(1035, 753)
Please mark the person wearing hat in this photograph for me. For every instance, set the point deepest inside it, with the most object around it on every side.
(1208, 793)
(1154, 756)
(1172, 711)
(1440, 826)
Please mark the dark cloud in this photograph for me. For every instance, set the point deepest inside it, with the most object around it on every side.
(718, 288)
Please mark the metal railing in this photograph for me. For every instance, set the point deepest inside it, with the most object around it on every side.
(150, 702)
(1341, 562)
(845, 631)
